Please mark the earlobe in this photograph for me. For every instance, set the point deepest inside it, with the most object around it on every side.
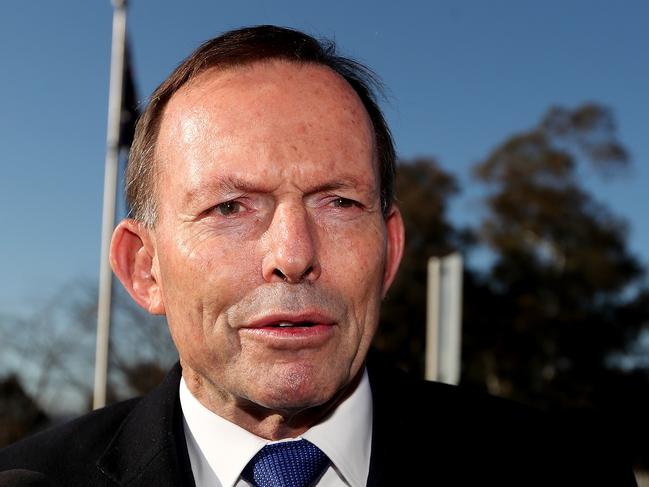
(395, 245)
(133, 258)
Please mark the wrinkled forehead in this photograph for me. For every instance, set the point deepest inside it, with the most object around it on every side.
(259, 78)
(278, 98)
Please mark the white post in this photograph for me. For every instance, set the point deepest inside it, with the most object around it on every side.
(444, 330)
(450, 311)
(432, 320)
(110, 195)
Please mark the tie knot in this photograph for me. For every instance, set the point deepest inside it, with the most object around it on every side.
(286, 464)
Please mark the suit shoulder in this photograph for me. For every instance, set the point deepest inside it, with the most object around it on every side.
(67, 443)
(397, 389)
(501, 438)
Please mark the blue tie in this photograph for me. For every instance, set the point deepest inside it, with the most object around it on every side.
(286, 464)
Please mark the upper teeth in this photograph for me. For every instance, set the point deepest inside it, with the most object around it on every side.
(285, 324)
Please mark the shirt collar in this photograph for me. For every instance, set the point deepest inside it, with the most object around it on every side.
(226, 447)
(345, 436)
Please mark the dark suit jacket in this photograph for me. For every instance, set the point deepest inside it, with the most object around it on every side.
(423, 434)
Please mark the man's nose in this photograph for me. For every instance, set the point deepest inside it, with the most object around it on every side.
(291, 244)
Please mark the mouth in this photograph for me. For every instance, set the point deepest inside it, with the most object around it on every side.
(291, 331)
(288, 324)
(291, 320)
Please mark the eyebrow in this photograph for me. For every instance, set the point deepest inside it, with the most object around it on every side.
(344, 183)
(221, 184)
(231, 183)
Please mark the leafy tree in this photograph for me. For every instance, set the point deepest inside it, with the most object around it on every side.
(562, 267)
(19, 413)
(423, 190)
(57, 366)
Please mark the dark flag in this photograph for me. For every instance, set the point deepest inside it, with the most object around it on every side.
(130, 109)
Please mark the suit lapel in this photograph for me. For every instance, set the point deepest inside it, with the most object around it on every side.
(149, 448)
(387, 424)
(402, 430)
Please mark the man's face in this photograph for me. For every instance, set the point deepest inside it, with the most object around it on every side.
(271, 251)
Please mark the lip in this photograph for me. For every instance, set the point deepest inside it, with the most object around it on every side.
(315, 317)
(290, 338)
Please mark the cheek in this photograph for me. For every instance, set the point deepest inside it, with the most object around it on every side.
(216, 264)
(200, 285)
(355, 261)
(199, 281)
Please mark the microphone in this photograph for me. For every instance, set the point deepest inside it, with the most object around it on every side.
(24, 478)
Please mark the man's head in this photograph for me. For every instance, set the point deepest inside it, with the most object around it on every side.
(272, 242)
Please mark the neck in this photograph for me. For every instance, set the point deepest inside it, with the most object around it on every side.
(271, 424)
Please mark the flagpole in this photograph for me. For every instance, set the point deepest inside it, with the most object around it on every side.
(110, 196)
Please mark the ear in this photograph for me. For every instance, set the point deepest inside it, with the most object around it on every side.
(395, 244)
(133, 259)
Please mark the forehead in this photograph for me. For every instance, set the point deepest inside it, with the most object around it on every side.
(263, 111)
(259, 80)
(261, 97)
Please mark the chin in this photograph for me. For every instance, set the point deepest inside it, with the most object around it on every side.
(294, 389)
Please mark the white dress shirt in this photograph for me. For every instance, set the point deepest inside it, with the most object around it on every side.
(219, 450)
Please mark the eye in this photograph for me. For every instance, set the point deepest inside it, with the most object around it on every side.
(341, 202)
(228, 208)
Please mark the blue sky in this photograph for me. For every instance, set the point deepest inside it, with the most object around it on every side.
(461, 77)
